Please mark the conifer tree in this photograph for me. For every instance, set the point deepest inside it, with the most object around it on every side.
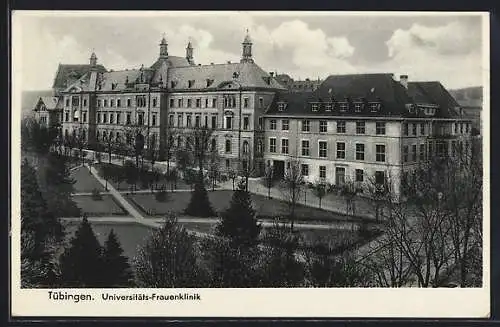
(239, 222)
(199, 205)
(116, 269)
(81, 263)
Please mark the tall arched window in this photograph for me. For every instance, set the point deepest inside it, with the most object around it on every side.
(228, 146)
(246, 147)
(214, 145)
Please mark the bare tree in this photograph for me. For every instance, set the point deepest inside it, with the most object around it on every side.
(349, 192)
(198, 140)
(320, 189)
(291, 187)
(232, 175)
(268, 179)
(109, 144)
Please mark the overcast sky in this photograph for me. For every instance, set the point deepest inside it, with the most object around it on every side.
(445, 48)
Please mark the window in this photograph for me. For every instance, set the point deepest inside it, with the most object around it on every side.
(461, 128)
(358, 107)
(154, 102)
(171, 120)
(405, 153)
(314, 107)
(84, 116)
(340, 126)
(179, 103)
(228, 146)
(414, 128)
(229, 122)
(214, 103)
(213, 147)
(322, 149)
(198, 103)
(380, 177)
(344, 106)
(197, 121)
(328, 106)
(284, 146)
(422, 152)
(171, 103)
(360, 151)
(112, 103)
(380, 128)
(206, 122)
(456, 128)
(260, 146)
(246, 147)
(323, 126)
(75, 101)
(261, 122)
(179, 141)
(405, 129)
(422, 129)
(359, 175)
(214, 122)
(128, 119)
(340, 150)
(104, 118)
(284, 124)
(305, 147)
(430, 149)
(190, 83)
(228, 164)
(111, 118)
(84, 102)
(360, 127)
(272, 145)
(128, 103)
(98, 117)
(67, 102)
(140, 119)
(414, 152)
(322, 171)
(179, 120)
(188, 121)
(272, 124)
(188, 103)
(245, 102)
(261, 103)
(306, 126)
(304, 170)
(374, 107)
(153, 120)
(380, 153)
(246, 123)
(66, 116)
(467, 128)
(105, 103)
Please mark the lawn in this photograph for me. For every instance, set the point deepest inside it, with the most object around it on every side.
(84, 181)
(266, 208)
(130, 235)
(105, 207)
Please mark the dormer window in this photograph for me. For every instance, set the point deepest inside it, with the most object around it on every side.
(191, 83)
(281, 106)
(173, 84)
(209, 82)
(358, 107)
(374, 107)
(314, 107)
(113, 86)
(328, 106)
(267, 79)
(344, 106)
(411, 108)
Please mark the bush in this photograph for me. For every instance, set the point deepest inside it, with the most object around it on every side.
(96, 195)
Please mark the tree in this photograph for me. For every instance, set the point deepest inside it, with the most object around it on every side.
(131, 173)
(79, 139)
(231, 173)
(281, 268)
(320, 189)
(116, 270)
(37, 137)
(238, 222)
(199, 205)
(135, 140)
(291, 188)
(198, 141)
(348, 191)
(213, 169)
(169, 259)
(268, 180)
(81, 262)
(109, 144)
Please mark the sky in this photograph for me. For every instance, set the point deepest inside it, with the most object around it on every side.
(447, 48)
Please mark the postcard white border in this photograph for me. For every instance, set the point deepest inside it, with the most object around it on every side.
(294, 302)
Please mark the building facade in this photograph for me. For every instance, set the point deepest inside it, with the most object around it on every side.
(345, 128)
(366, 128)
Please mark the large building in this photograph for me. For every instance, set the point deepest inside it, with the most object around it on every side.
(346, 127)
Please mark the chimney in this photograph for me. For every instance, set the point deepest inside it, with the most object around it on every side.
(271, 73)
(403, 79)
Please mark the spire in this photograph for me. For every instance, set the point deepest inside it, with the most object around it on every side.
(247, 49)
(93, 59)
(189, 52)
(163, 47)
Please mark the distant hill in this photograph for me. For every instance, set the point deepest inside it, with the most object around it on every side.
(29, 98)
(469, 96)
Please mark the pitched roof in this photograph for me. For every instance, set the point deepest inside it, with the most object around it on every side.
(434, 92)
(50, 102)
(172, 61)
(364, 88)
(68, 74)
(250, 75)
